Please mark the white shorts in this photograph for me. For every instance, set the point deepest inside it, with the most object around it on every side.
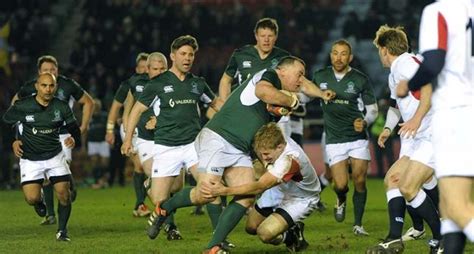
(299, 208)
(453, 142)
(169, 160)
(323, 148)
(35, 170)
(67, 151)
(98, 148)
(134, 137)
(358, 149)
(270, 198)
(418, 149)
(216, 154)
(145, 149)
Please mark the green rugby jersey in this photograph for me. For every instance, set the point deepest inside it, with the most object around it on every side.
(340, 113)
(137, 85)
(175, 103)
(97, 127)
(122, 91)
(68, 90)
(244, 113)
(39, 126)
(246, 61)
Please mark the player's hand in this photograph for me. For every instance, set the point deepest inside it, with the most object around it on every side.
(383, 137)
(409, 128)
(328, 95)
(359, 124)
(210, 190)
(69, 142)
(151, 124)
(402, 88)
(110, 138)
(126, 148)
(16, 147)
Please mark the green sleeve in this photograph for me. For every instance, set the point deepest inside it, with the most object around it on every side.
(122, 92)
(77, 90)
(368, 95)
(272, 77)
(27, 89)
(232, 65)
(68, 114)
(208, 95)
(13, 115)
(150, 93)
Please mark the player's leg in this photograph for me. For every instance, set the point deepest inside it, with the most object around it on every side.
(170, 227)
(32, 177)
(140, 209)
(410, 186)
(341, 180)
(62, 189)
(236, 209)
(255, 217)
(359, 197)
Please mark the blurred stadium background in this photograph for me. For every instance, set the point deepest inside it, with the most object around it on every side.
(96, 42)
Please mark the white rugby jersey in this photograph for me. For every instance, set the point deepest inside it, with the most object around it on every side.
(300, 182)
(403, 68)
(445, 25)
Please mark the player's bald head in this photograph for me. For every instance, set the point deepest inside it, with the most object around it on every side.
(46, 78)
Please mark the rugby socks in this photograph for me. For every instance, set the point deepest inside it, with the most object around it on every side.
(140, 192)
(425, 208)
(229, 219)
(341, 195)
(396, 213)
(64, 211)
(49, 199)
(214, 211)
(170, 219)
(469, 230)
(359, 199)
(179, 199)
(417, 220)
(453, 238)
(431, 189)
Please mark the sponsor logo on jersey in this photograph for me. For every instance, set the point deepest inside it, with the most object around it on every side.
(57, 116)
(171, 102)
(46, 131)
(30, 118)
(323, 86)
(194, 88)
(168, 89)
(350, 88)
(247, 64)
(186, 101)
(139, 89)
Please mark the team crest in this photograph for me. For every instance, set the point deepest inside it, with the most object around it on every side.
(194, 88)
(247, 64)
(274, 63)
(168, 89)
(350, 88)
(60, 94)
(57, 116)
(323, 86)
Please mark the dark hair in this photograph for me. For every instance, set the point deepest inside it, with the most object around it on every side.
(267, 23)
(47, 59)
(141, 57)
(343, 42)
(183, 41)
(289, 60)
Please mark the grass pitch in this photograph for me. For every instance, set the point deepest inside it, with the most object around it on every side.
(102, 222)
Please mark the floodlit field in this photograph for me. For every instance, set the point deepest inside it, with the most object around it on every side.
(102, 222)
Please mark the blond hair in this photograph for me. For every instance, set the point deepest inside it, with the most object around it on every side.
(268, 136)
(392, 38)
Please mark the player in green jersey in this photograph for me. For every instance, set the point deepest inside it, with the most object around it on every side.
(346, 128)
(140, 209)
(69, 91)
(173, 96)
(224, 144)
(41, 117)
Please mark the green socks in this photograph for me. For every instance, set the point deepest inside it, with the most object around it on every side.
(359, 199)
(49, 199)
(140, 192)
(214, 212)
(63, 213)
(179, 199)
(228, 220)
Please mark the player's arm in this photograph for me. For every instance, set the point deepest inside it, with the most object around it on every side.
(12, 116)
(135, 114)
(391, 121)
(225, 85)
(111, 119)
(265, 182)
(312, 90)
(266, 92)
(410, 127)
(128, 105)
(87, 109)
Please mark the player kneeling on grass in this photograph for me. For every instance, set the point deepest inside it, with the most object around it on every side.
(287, 167)
(40, 118)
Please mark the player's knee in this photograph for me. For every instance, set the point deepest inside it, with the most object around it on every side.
(64, 197)
(409, 192)
(251, 228)
(176, 188)
(32, 200)
(265, 234)
(245, 201)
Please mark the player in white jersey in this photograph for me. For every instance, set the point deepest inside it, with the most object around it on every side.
(406, 176)
(290, 170)
(446, 45)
